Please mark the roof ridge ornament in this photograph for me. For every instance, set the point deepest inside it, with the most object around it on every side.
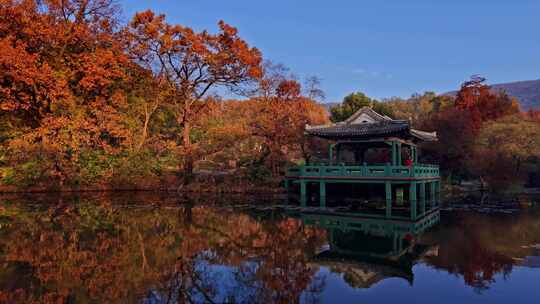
(364, 115)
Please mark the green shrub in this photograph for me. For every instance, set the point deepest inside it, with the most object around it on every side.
(30, 173)
(136, 168)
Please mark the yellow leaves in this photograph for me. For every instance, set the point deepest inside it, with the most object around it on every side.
(513, 136)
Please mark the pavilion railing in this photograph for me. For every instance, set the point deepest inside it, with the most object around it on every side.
(365, 170)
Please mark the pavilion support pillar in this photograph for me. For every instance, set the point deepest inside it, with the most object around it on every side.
(438, 192)
(330, 154)
(394, 153)
(388, 188)
(398, 154)
(322, 194)
(433, 194)
(338, 153)
(422, 198)
(303, 193)
(412, 200)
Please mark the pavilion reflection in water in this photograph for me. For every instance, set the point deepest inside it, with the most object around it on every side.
(367, 250)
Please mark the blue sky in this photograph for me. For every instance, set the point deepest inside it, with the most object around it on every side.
(383, 48)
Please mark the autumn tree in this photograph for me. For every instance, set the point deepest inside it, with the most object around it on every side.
(482, 103)
(192, 63)
(145, 98)
(456, 137)
(281, 116)
(60, 83)
(418, 107)
(533, 114)
(503, 150)
(459, 123)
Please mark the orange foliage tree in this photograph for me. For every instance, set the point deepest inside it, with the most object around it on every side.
(483, 103)
(459, 126)
(192, 63)
(282, 115)
(61, 81)
(265, 131)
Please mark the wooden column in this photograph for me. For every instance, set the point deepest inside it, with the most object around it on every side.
(398, 154)
(338, 153)
(322, 194)
(413, 154)
(422, 198)
(388, 188)
(438, 192)
(399, 195)
(412, 199)
(330, 154)
(394, 153)
(433, 191)
(303, 193)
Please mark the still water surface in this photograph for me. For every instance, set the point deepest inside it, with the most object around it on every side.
(133, 248)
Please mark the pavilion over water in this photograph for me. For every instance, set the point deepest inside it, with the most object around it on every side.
(373, 154)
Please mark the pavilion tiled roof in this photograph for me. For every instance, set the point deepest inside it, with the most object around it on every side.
(367, 130)
(368, 124)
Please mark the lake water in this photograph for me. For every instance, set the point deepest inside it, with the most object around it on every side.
(145, 248)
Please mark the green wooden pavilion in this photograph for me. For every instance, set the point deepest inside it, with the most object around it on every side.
(370, 151)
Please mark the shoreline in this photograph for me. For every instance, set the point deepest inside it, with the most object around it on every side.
(232, 189)
(248, 190)
(196, 188)
(451, 195)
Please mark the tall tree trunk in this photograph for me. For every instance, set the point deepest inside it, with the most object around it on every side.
(144, 132)
(188, 158)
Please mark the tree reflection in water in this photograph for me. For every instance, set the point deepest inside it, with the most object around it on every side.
(90, 252)
(478, 247)
(159, 251)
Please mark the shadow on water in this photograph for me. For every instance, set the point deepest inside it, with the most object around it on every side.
(133, 248)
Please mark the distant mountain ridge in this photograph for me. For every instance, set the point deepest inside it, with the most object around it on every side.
(527, 92)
